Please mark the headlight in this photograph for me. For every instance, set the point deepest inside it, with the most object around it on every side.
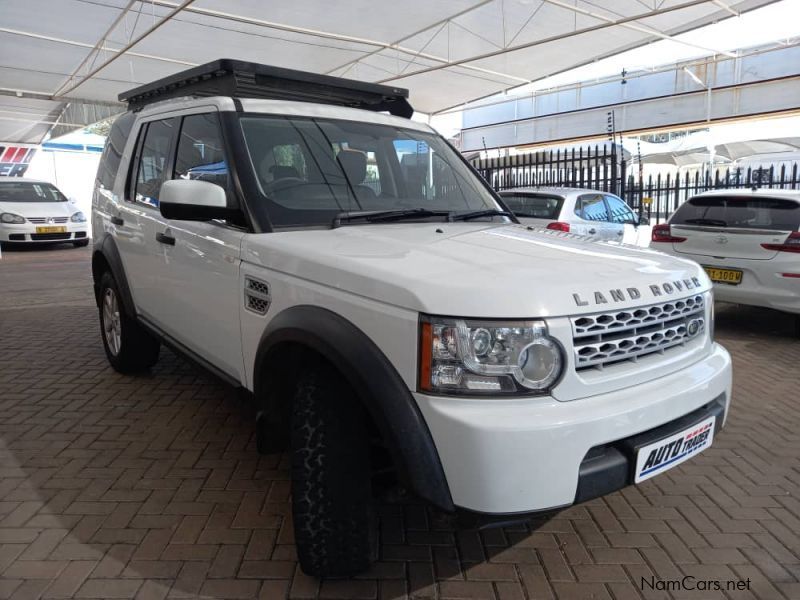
(78, 217)
(487, 357)
(11, 218)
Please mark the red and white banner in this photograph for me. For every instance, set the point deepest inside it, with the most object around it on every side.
(15, 158)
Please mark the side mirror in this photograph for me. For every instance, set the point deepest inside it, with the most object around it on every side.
(644, 220)
(193, 200)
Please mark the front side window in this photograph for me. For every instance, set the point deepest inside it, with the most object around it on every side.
(620, 212)
(27, 191)
(200, 153)
(591, 207)
(310, 170)
(535, 206)
(742, 212)
(153, 159)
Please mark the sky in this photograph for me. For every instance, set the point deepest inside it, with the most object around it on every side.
(777, 22)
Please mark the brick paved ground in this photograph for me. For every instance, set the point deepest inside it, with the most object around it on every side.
(150, 487)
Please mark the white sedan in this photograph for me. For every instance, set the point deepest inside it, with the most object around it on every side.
(36, 211)
(599, 215)
(747, 241)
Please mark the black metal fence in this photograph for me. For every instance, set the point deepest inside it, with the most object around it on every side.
(603, 167)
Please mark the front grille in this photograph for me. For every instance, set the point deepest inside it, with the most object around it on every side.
(47, 220)
(41, 237)
(602, 339)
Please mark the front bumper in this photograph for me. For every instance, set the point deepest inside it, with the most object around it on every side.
(26, 232)
(520, 455)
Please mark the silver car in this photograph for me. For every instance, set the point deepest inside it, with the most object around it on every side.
(600, 215)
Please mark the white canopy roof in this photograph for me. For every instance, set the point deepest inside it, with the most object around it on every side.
(446, 52)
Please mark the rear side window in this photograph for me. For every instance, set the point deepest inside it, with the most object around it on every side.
(201, 152)
(620, 212)
(743, 212)
(153, 161)
(591, 207)
(112, 153)
(537, 206)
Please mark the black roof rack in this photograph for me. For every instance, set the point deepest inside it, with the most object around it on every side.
(227, 77)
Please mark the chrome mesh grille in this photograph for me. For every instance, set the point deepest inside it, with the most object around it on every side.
(625, 335)
(256, 296)
(44, 220)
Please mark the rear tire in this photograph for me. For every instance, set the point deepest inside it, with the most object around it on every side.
(81, 243)
(129, 347)
(331, 487)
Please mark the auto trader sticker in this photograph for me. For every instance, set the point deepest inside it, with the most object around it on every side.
(669, 452)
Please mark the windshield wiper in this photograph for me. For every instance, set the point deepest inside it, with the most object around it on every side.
(712, 222)
(383, 216)
(490, 212)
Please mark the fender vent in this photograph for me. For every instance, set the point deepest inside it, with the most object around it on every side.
(256, 296)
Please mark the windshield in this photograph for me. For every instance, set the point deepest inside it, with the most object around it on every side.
(537, 206)
(27, 191)
(743, 212)
(311, 170)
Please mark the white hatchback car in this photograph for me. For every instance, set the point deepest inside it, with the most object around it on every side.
(36, 211)
(747, 241)
(595, 214)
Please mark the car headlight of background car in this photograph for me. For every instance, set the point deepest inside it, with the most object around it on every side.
(11, 218)
(78, 217)
(462, 357)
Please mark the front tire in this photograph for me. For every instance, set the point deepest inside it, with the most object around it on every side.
(129, 347)
(331, 487)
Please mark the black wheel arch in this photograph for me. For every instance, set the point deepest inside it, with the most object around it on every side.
(105, 257)
(377, 383)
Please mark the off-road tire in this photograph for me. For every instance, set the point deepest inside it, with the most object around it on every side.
(331, 488)
(81, 243)
(138, 350)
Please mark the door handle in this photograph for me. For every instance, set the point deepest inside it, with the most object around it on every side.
(592, 231)
(620, 233)
(117, 221)
(165, 239)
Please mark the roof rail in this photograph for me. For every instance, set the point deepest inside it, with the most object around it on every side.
(236, 78)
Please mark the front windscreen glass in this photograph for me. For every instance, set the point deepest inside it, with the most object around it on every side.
(742, 212)
(311, 170)
(536, 206)
(28, 191)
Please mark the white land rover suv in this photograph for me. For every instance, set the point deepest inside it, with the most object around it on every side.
(385, 310)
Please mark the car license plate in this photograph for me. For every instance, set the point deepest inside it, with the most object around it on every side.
(60, 229)
(730, 276)
(662, 455)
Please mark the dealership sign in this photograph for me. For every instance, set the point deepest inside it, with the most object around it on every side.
(15, 158)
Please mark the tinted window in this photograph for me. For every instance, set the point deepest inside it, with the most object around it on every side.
(200, 152)
(591, 207)
(112, 153)
(153, 158)
(309, 170)
(26, 191)
(538, 206)
(620, 212)
(739, 211)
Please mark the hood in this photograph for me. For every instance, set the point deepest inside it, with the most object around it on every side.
(478, 270)
(39, 209)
